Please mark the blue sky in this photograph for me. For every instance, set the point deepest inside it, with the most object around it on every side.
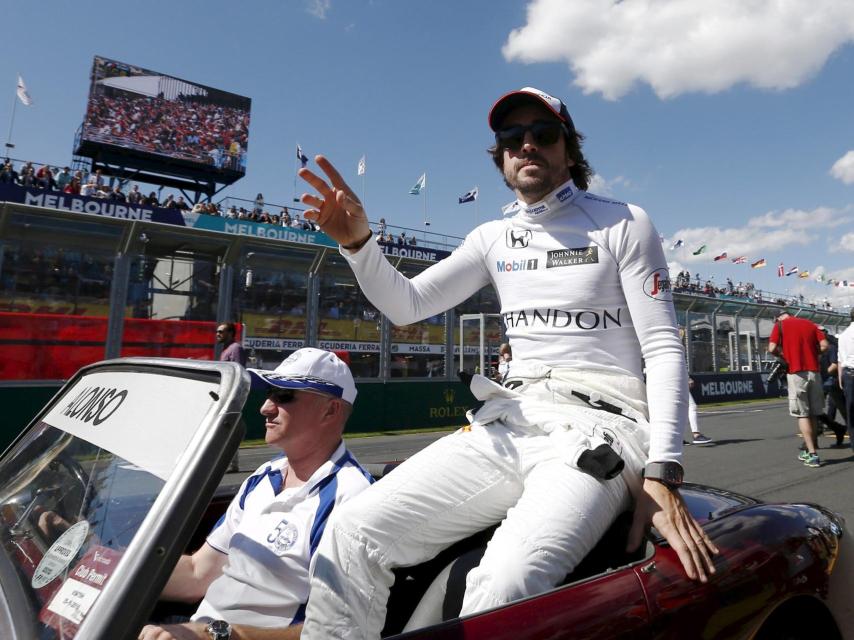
(729, 122)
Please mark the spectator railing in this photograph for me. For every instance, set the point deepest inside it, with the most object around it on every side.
(423, 238)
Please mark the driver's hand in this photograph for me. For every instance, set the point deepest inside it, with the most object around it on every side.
(52, 525)
(665, 509)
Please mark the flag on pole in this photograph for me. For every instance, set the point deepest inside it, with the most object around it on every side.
(721, 257)
(700, 250)
(792, 271)
(804, 274)
(420, 185)
(758, 264)
(677, 244)
(23, 96)
(360, 170)
(470, 196)
(781, 270)
(301, 156)
(739, 260)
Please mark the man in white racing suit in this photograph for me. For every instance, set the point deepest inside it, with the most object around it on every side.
(573, 437)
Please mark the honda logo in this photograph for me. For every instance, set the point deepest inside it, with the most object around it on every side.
(518, 238)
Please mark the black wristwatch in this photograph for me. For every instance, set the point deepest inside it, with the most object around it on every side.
(218, 630)
(669, 473)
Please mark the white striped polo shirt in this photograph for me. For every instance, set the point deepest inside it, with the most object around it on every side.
(270, 535)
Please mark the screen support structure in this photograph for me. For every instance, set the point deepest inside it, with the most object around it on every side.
(480, 336)
(202, 185)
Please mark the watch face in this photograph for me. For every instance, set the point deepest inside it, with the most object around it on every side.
(219, 630)
(673, 475)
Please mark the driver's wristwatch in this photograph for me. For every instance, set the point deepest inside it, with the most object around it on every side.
(668, 473)
(218, 630)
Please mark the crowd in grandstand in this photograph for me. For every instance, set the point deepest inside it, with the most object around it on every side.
(683, 283)
(185, 128)
(401, 240)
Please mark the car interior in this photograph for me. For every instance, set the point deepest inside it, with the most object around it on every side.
(432, 592)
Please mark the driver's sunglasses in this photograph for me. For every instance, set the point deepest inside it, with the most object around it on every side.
(544, 134)
(281, 396)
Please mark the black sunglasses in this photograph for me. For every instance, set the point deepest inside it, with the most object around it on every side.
(281, 396)
(543, 133)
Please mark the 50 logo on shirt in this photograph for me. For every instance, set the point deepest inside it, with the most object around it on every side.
(283, 537)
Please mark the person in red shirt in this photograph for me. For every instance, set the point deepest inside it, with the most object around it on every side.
(801, 343)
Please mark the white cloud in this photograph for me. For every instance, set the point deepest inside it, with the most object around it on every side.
(843, 169)
(319, 8)
(683, 46)
(797, 219)
(604, 187)
(769, 232)
(846, 243)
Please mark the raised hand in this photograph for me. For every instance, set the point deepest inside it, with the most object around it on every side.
(336, 208)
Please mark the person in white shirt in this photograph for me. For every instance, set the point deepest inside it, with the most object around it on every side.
(89, 189)
(846, 373)
(253, 570)
(574, 435)
(505, 355)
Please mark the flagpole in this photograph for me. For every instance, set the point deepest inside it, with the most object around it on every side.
(295, 176)
(476, 210)
(425, 207)
(9, 145)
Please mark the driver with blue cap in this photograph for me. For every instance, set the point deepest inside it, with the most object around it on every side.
(253, 570)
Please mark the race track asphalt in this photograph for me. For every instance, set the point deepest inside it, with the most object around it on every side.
(754, 453)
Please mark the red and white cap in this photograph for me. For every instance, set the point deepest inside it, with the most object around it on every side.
(528, 94)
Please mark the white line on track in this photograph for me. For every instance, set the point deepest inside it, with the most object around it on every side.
(726, 411)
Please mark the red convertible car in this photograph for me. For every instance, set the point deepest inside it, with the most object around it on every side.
(121, 472)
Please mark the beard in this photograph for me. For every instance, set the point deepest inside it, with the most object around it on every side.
(534, 185)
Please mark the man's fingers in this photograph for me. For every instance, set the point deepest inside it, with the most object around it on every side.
(705, 549)
(315, 181)
(350, 203)
(702, 538)
(311, 200)
(334, 177)
(682, 532)
(690, 543)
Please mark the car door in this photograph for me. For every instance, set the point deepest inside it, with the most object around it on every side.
(610, 606)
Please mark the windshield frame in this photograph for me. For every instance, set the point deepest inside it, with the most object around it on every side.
(126, 600)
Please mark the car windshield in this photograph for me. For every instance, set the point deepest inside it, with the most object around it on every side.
(75, 490)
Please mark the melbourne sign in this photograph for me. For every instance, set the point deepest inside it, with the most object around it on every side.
(84, 204)
(724, 387)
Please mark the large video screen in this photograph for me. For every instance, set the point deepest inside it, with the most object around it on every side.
(156, 114)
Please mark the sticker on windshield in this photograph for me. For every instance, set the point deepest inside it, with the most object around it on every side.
(60, 554)
(73, 600)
